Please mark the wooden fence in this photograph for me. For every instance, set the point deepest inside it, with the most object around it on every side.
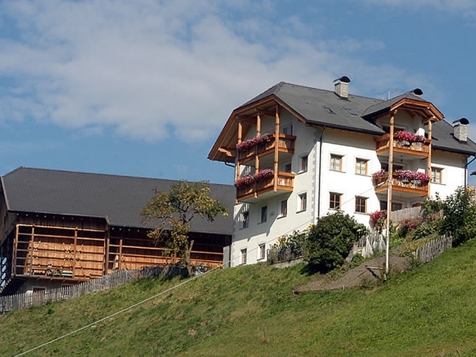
(433, 248)
(406, 213)
(21, 301)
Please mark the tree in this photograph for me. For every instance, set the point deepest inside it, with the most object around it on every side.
(174, 210)
(330, 240)
(459, 218)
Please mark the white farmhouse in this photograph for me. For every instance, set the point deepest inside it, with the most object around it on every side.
(301, 153)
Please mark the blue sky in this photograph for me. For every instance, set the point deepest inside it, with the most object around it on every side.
(143, 88)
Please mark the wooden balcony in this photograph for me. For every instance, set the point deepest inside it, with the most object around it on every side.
(406, 187)
(285, 145)
(417, 149)
(264, 189)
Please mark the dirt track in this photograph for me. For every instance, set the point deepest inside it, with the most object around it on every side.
(369, 271)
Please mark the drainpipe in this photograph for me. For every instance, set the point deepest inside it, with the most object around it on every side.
(319, 175)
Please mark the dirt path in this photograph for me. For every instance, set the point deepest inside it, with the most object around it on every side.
(369, 271)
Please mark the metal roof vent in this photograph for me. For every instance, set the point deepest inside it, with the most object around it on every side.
(460, 129)
(341, 86)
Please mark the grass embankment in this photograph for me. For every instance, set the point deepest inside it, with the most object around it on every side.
(251, 311)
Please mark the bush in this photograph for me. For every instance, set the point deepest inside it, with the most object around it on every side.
(459, 216)
(330, 240)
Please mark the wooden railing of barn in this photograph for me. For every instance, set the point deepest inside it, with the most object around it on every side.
(21, 301)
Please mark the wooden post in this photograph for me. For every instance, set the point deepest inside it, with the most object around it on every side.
(15, 251)
(276, 150)
(32, 239)
(430, 131)
(389, 186)
(75, 244)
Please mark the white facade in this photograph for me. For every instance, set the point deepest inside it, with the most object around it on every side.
(332, 167)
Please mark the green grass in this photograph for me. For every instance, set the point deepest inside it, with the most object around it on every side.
(251, 311)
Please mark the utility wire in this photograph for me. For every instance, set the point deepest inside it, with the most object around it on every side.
(117, 313)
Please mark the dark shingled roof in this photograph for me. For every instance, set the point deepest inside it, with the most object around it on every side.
(323, 107)
(326, 108)
(118, 199)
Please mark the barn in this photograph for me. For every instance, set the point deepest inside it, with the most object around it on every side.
(59, 228)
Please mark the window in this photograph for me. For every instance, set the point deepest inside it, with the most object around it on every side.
(396, 206)
(243, 256)
(336, 162)
(283, 208)
(245, 219)
(361, 166)
(361, 204)
(334, 200)
(287, 130)
(287, 167)
(302, 202)
(303, 167)
(261, 251)
(264, 214)
(436, 175)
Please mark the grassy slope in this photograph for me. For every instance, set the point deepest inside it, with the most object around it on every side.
(251, 311)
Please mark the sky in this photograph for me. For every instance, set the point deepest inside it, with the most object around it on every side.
(144, 87)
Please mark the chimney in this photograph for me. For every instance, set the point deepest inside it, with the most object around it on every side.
(460, 129)
(341, 87)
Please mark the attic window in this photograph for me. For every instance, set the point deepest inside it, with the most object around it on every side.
(329, 110)
(350, 111)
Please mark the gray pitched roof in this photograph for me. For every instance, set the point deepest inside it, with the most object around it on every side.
(115, 198)
(324, 107)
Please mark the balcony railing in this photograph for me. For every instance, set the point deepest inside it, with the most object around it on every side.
(400, 184)
(285, 144)
(284, 183)
(416, 148)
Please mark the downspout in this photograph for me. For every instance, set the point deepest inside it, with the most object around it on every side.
(319, 175)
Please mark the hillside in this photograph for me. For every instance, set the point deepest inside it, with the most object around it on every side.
(251, 311)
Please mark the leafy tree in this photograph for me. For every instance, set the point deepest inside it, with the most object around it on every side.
(330, 240)
(459, 216)
(174, 210)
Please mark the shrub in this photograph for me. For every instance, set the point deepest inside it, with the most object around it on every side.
(459, 216)
(330, 240)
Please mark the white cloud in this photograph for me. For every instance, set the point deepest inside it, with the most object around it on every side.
(459, 6)
(152, 69)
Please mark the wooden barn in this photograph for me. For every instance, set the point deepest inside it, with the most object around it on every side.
(60, 228)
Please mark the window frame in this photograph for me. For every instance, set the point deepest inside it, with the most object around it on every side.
(304, 163)
(333, 161)
(333, 201)
(434, 170)
(358, 168)
(263, 216)
(245, 219)
(359, 205)
(261, 251)
(283, 208)
(302, 202)
(243, 256)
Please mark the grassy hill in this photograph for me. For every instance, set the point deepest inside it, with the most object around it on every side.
(251, 311)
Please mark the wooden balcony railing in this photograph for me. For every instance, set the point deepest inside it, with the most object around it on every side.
(415, 148)
(284, 183)
(410, 186)
(285, 144)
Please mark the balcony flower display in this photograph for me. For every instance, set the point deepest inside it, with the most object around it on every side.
(248, 144)
(250, 179)
(403, 136)
(408, 175)
(379, 174)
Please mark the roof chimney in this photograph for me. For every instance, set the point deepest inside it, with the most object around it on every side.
(460, 129)
(341, 86)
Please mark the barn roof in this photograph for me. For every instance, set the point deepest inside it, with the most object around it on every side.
(118, 199)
